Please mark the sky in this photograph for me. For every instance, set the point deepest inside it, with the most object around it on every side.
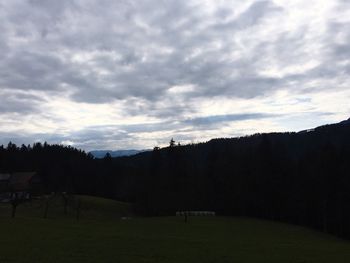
(104, 74)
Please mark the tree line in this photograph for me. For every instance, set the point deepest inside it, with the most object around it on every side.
(301, 178)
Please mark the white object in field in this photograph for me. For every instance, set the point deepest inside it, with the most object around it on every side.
(195, 213)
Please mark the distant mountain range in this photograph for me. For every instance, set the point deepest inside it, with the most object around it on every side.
(119, 153)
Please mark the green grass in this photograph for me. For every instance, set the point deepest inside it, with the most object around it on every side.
(90, 208)
(168, 239)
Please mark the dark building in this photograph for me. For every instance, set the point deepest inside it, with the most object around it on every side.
(19, 185)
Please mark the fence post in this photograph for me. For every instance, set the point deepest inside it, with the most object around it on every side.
(78, 209)
(46, 208)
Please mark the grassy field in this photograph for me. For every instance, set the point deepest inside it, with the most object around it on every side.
(101, 236)
(90, 208)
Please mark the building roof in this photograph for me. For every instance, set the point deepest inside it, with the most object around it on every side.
(21, 177)
(21, 181)
(4, 177)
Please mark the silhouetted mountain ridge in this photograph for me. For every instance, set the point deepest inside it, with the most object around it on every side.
(346, 122)
(118, 153)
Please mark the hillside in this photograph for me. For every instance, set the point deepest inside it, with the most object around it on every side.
(299, 178)
(79, 207)
(165, 240)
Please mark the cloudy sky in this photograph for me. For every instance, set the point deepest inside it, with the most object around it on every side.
(133, 74)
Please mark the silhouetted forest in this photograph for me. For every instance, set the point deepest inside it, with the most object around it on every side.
(301, 178)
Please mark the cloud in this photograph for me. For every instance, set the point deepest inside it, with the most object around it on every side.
(103, 62)
(104, 136)
(19, 102)
(251, 16)
(155, 64)
(216, 119)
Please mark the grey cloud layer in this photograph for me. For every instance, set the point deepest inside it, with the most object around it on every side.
(142, 48)
(19, 102)
(134, 52)
(104, 136)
